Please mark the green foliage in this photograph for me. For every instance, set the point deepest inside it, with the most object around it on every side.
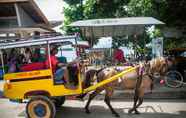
(103, 8)
(174, 43)
(168, 11)
(157, 33)
(72, 13)
(120, 41)
(90, 11)
(73, 2)
(155, 8)
(140, 8)
(138, 42)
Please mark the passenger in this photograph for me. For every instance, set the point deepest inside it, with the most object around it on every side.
(21, 59)
(5, 57)
(58, 68)
(37, 56)
(28, 55)
(12, 60)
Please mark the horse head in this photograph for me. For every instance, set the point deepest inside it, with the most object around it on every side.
(157, 66)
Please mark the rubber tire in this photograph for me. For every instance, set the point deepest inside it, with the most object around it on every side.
(45, 100)
(173, 86)
(59, 101)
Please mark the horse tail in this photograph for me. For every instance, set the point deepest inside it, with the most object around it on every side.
(87, 81)
(88, 78)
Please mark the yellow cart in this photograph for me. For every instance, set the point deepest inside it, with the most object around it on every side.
(39, 86)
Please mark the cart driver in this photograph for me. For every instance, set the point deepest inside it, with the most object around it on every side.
(59, 69)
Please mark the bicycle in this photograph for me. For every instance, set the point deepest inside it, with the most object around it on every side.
(173, 79)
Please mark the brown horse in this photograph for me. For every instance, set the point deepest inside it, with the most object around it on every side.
(140, 82)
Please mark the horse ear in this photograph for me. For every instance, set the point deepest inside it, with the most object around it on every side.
(147, 64)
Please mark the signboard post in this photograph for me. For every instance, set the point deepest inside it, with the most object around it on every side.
(157, 47)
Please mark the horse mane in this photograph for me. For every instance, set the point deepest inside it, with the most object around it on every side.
(157, 65)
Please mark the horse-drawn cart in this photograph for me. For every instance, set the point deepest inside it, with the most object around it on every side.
(39, 85)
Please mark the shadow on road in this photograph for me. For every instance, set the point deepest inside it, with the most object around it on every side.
(101, 112)
(171, 100)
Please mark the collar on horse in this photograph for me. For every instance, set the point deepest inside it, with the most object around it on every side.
(143, 71)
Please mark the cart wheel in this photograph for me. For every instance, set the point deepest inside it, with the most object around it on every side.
(40, 107)
(174, 79)
(58, 101)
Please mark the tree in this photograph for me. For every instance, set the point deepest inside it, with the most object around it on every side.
(73, 2)
(91, 9)
(168, 11)
(105, 8)
(72, 13)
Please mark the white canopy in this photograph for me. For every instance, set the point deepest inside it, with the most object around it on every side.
(115, 26)
(42, 41)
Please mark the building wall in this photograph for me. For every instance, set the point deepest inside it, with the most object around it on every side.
(26, 20)
(8, 23)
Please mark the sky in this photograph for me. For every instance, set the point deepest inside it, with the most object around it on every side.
(52, 9)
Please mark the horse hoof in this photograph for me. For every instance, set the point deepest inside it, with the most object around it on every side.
(130, 111)
(137, 112)
(117, 115)
(87, 112)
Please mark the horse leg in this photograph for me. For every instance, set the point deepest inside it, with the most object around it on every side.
(137, 93)
(107, 101)
(140, 99)
(91, 97)
(139, 103)
(136, 97)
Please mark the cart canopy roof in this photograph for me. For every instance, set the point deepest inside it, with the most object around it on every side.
(64, 40)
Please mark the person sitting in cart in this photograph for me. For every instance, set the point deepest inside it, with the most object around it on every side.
(12, 61)
(58, 68)
(27, 55)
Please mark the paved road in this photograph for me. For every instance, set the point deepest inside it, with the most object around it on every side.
(162, 108)
(74, 109)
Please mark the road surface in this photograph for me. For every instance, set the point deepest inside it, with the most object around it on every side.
(74, 109)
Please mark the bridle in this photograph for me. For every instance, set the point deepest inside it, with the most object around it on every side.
(151, 75)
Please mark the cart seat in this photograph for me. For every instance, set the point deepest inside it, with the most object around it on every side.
(33, 66)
